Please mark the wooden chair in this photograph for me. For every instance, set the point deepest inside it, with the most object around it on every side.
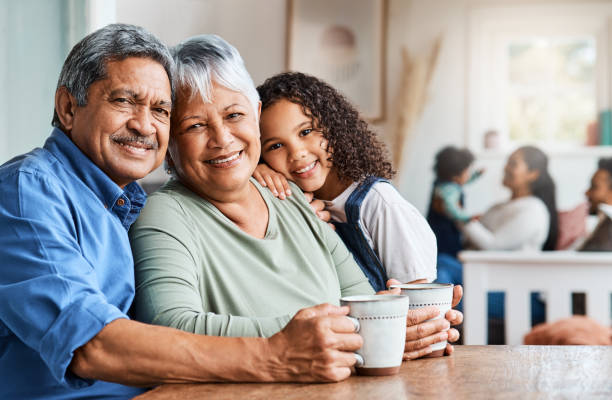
(558, 274)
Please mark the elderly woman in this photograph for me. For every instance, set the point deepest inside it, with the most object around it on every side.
(216, 253)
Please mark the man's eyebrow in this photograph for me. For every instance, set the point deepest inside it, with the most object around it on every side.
(165, 103)
(132, 94)
(127, 92)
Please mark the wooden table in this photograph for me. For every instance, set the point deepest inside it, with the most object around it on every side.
(482, 372)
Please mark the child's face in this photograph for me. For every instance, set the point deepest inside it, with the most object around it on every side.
(291, 146)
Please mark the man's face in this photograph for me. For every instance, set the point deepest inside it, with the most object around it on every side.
(124, 127)
(600, 191)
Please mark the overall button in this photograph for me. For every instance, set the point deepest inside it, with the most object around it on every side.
(120, 202)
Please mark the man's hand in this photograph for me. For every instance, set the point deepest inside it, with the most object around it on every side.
(454, 317)
(421, 333)
(316, 346)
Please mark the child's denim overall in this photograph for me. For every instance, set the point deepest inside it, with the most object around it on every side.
(354, 238)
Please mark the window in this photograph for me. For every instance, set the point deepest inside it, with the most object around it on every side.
(538, 74)
(551, 96)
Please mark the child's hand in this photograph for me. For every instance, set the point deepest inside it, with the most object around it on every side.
(318, 206)
(274, 181)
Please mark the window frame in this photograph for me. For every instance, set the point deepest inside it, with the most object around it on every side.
(489, 27)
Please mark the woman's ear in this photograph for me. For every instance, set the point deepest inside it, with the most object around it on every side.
(65, 105)
(533, 175)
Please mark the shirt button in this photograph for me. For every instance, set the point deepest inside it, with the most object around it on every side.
(120, 202)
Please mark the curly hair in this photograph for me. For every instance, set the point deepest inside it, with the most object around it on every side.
(356, 151)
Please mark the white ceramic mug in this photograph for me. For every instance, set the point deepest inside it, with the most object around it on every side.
(430, 294)
(381, 322)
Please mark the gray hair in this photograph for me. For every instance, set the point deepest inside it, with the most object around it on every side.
(87, 60)
(204, 58)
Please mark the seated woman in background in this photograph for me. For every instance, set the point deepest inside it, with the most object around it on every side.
(528, 221)
(215, 252)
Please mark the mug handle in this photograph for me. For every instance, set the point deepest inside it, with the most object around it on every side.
(358, 358)
(356, 323)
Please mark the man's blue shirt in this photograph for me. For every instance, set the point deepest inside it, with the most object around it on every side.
(66, 268)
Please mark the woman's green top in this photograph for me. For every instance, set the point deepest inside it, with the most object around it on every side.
(197, 271)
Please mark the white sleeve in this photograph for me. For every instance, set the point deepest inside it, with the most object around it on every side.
(515, 231)
(400, 236)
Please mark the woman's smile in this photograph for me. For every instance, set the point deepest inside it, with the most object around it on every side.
(226, 161)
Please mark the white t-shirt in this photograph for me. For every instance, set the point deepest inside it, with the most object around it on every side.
(394, 228)
(519, 224)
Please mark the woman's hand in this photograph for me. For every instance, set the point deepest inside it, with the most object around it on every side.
(277, 183)
(317, 345)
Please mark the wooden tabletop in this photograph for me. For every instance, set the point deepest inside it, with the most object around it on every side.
(481, 372)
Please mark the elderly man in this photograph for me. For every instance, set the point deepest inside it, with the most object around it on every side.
(600, 202)
(66, 278)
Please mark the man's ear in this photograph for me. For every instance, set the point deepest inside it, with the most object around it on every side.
(65, 105)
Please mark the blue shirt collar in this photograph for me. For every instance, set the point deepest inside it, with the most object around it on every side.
(125, 203)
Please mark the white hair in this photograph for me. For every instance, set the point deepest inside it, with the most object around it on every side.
(202, 59)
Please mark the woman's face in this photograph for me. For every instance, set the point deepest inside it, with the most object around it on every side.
(517, 176)
(214, 147)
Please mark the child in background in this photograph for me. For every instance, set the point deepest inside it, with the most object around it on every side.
(312, 135)
(446, 210)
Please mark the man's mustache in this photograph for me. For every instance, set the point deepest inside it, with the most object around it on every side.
(148, 142)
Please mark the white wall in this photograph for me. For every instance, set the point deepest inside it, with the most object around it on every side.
(255, 28)
(258, 29)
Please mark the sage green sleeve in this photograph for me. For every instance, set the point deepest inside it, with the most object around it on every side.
(167, 289)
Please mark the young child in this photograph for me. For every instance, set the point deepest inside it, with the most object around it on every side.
(446, 210)
(312, 135)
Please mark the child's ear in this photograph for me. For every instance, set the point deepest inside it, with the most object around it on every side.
(258, 111)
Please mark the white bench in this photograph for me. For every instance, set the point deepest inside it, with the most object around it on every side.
(558, 274)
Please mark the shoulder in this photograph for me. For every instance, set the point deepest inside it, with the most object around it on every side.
(33, 176)
(297, 200)
(166, 206)
(531, 204)
(38, 163)
(384, 193)
(528, 207)
(384, 197)
(447, 189)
